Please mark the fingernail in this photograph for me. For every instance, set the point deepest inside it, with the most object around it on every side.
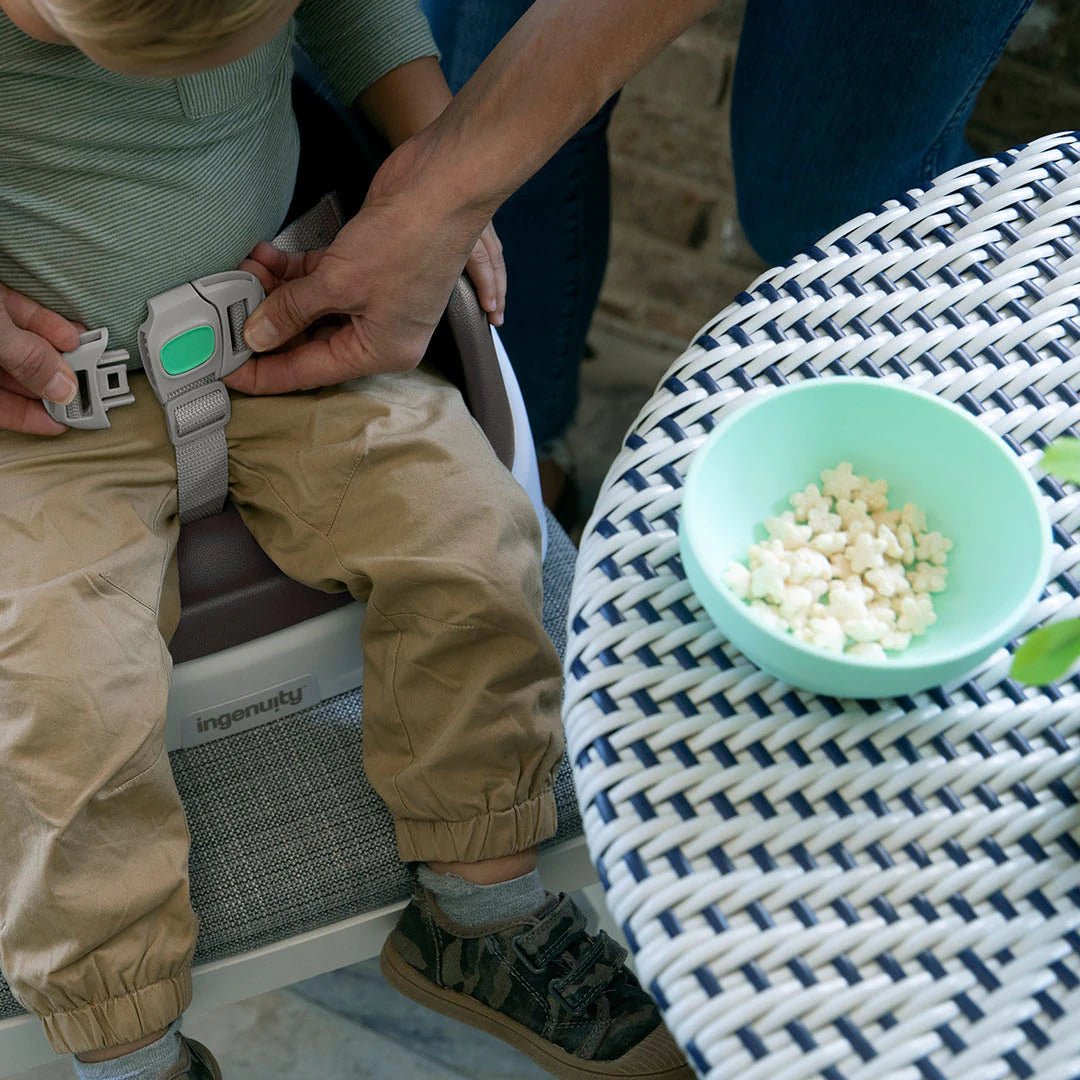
(61, 389)
(257, 334)
(499, 320)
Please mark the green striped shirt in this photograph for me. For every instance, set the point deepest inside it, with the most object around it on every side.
(114, 188)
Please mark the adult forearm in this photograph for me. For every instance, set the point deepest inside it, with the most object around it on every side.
(546, 78)
(393, 266)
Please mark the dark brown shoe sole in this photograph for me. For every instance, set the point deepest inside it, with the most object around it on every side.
(410, 982)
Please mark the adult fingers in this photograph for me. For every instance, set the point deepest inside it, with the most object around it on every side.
(272, 266)
(26, 415)
(29, 315)
(266, 277)
(308, 365)
(328, 356)
(30, 359)
(8, 383)
(301, 295)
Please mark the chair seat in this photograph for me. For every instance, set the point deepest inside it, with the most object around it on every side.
(227, 601)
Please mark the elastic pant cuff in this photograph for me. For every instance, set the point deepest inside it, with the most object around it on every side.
(119, 1020)
(488, 836)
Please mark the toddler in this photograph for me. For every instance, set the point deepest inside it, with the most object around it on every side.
(146, 143)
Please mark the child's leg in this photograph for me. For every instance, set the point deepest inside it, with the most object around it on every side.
(387, 487)
(96, 932)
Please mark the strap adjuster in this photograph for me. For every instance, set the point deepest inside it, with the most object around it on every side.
(103, 383)
(193, 414)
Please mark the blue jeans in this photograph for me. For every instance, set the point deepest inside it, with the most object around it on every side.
(554, 230)
(840, 104)
(837, 105)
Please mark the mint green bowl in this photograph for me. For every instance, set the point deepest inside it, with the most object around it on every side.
(932, 453)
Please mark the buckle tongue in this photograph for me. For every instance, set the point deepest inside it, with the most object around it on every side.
(103, 383)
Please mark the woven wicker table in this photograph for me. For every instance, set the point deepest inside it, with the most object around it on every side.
(840, 889)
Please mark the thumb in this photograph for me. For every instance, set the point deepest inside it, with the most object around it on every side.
(34, 364)
(289, 310)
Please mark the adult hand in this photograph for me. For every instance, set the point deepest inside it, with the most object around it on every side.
(31, 367)
(273, 268)
(390, 271)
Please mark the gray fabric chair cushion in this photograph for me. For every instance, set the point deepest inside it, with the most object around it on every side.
(286, 833)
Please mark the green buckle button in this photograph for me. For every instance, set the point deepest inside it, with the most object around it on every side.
(188, 350)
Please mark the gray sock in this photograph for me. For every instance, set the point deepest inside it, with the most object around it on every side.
(476, 905)
(149, 1063)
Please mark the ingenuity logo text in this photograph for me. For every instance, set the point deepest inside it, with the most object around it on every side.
(283, 700)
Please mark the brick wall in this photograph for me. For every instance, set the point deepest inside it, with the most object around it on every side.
(678, 255)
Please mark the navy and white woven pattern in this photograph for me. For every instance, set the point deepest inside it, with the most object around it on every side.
(840, 889)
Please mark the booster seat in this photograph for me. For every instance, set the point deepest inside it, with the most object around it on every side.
(294, 869)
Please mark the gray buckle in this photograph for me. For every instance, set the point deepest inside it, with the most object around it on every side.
(103, 383)
(192, 337)
(193, 334)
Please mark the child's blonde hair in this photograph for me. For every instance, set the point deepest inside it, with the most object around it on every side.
(159, 29)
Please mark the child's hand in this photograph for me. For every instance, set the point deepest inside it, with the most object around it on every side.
(31, 367)
(487, 271)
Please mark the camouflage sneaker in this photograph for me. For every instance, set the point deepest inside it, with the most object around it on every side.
(542, 984)
(196, 1063)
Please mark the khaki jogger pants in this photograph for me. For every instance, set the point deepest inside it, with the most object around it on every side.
(384, 486)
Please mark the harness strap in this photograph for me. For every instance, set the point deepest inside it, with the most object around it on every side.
(193, 336)
(202, 464)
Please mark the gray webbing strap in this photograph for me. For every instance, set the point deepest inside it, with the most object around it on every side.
(315, 229)
(202, 465)
(197, 422)
(191, 339)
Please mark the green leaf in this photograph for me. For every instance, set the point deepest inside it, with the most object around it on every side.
(1048, 653)
(1063, 460)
